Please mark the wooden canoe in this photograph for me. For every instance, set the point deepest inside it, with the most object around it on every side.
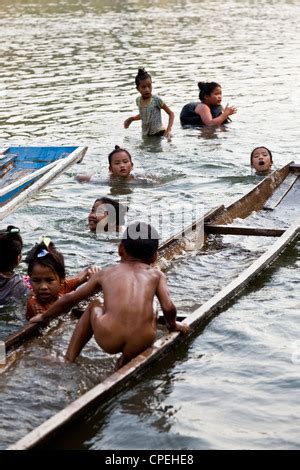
(268, 195)
(25, 170)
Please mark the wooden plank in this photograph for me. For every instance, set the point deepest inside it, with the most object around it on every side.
(118, 380)
(280, 192)
(241, 230)
(26, 332)
(295, 167)
(5, 167)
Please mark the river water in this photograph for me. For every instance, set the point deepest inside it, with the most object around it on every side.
(67, 77)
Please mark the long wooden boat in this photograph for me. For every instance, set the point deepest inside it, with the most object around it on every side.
(25, 170)
(281, 188)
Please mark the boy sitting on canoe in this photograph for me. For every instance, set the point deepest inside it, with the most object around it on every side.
(125, 322)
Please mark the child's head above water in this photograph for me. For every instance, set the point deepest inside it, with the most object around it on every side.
(143, 83)
(46, 269)
(106, 215)
(140, 240)
(11, 245)
(120, 162)
(210, 93)
(261, 159)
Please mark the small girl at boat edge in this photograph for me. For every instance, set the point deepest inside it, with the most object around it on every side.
(150, 107)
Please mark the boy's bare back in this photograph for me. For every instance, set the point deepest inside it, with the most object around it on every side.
(128, 291)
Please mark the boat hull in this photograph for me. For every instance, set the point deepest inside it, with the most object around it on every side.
(30, 169)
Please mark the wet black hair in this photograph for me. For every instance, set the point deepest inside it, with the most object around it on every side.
(206, 89)
(118, 149)
(141, 75)
(47, 256)
(118, 217)
(261, 147)
(140, 240)
(11, 245)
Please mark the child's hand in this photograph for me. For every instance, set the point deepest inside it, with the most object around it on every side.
(181, 327)
(168, 135)
(127, 122)
(230, 110)
(88, 272)
(37, 318)
(93, 270)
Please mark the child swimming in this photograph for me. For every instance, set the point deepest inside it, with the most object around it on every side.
(261, 160)
(46, 269)
(13, 286)
(107, 215)
(120, 167)
(150, 108)
(120, 164)
(125, 323)
(208, 111)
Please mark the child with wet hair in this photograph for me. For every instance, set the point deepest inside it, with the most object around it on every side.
(46, 268)
(120, 167)
(150, 107)
(261, 160)
(107, 215)
(126, 322)
(209, 111)
(13, 286)
(120, 164)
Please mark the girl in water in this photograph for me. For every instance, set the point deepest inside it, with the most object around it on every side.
(120, 167)
(150, 107)
(261, 160)
(46, 268)
(209, 111)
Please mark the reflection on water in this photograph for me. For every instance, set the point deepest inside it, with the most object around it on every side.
(67, 77)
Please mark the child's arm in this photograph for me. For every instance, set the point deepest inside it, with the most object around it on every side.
(129, 120)
(85, 275)
(168, 307)
(83, 178)
(166, 108)
(207, 119)
(67, 301)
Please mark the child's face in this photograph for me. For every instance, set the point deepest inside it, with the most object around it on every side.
(45, 283)
(145, 88)
(261, 160)
(215, 98)
(121, 165)
(97, 214)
